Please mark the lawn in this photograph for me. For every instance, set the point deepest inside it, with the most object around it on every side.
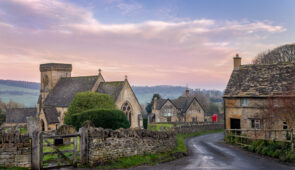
(157, 127)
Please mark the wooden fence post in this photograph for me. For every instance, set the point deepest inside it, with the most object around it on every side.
(35, 150)
(83, 145)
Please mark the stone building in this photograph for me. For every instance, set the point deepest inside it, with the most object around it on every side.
(182, 109)
(58, 89)
(252, 86)
(18, 116)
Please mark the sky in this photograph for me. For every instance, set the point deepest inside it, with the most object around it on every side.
(155, 42)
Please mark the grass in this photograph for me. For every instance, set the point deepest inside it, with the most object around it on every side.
(151, 159)
(157, 127)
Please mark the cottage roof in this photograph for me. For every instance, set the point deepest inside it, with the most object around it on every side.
(112, 88)
(66, 89)
(51, 115)
(262, 81)
(19, 115)
(182, 103)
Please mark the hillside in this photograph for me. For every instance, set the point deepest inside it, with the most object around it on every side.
(27, 92)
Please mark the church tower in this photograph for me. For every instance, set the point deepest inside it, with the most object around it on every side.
(50, 75)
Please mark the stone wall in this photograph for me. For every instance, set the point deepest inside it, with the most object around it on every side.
(15, 149)
(191, 128)
(106, 144)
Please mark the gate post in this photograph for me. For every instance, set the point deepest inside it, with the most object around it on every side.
(35, 150)
(83, 145)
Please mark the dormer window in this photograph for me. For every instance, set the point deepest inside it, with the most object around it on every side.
(244, 102)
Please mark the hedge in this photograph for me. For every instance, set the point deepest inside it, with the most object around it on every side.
(84, 101)
(111, 119)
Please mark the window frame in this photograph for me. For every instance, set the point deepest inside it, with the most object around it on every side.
(244, 102)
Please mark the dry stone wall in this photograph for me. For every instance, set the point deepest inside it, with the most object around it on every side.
(15, 149)
(191, 128)
(106, 144)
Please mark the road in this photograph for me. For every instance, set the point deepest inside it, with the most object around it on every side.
(209, 152)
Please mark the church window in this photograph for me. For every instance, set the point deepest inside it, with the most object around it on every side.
(127, 109)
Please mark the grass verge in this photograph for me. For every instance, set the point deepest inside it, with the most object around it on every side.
(157, 127)
(179, 151)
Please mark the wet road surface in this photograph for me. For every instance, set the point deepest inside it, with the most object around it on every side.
(209, 152)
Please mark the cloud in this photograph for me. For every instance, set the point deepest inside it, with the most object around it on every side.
(198, 52)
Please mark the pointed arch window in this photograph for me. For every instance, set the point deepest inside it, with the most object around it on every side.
(127, 109)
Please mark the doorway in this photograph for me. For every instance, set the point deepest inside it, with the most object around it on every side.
(235, 123)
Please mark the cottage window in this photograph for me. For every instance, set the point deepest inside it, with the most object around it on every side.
(255, 124)
(168, 119)
(244, 102)
(194, 119)
(285, 126)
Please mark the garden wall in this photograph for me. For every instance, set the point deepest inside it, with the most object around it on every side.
(15, 149)
(105, 144)
(191, 128)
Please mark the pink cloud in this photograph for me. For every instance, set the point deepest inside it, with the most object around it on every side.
(194, 52)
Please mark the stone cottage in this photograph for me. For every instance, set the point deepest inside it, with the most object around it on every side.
(182, 109)
(18, 116)
(58, 89)
(252, 86)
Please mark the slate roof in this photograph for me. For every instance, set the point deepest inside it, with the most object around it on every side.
(51, 115)
(112, 88)
(262, 81)
(18, 115)
(182, 103)
(66, 89)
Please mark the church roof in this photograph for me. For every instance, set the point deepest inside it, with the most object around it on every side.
(262, 81)
(51, 115)
(112, 88)
(66, 89)
(19, 115)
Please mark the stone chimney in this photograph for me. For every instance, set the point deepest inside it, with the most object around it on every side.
(237, 62)
(187, 92)
(99, 71)
(126, 78)
(155, 103)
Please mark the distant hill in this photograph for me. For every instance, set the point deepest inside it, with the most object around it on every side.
(27, 92)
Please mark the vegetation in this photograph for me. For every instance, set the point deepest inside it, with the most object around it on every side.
(145, 123)
(149, 106)
(13, 168)
(285, 53)
(151, 159)
(157, 127)
(111, 119)
(84, 101)
(274, 149)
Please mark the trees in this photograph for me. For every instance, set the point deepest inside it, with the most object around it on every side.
(283, 53)
(274, 110)
(149, 106)
(84, 101)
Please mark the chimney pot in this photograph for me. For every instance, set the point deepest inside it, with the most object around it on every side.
(187, 92)
(237, 61)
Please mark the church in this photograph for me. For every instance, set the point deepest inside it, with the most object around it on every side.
(58, 89)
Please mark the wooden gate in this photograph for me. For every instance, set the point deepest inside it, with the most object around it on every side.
(58, 150)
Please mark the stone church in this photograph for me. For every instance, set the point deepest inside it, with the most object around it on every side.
(182, 109)
(58, 89)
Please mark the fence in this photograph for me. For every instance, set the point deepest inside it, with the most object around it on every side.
(246, 136)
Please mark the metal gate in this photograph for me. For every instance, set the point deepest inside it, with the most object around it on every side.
(58, 150)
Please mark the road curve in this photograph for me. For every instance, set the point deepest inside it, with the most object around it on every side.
(209, 152)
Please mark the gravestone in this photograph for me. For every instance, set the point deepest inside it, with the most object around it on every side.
(64, 130)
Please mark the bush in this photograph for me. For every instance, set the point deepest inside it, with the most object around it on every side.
(145, 123)
(2, 118)
(111, 119)
(88, 100)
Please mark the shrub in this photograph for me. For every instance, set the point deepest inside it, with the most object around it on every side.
(111, 119)
(88, 100)
(145, 123)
